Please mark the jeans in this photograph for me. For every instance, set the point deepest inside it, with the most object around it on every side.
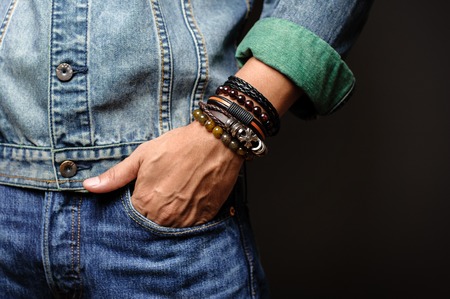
(80, 245)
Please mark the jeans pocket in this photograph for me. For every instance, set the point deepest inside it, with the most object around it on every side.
(226, 212)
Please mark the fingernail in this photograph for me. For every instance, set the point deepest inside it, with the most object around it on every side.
(92, 182)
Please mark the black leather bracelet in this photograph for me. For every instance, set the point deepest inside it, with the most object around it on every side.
(273, 123)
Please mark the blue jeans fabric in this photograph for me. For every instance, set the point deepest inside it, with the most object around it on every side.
(78, 245)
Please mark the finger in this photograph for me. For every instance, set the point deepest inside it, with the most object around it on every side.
(115, 177)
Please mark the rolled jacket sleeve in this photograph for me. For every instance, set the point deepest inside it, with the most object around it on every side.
(306, 40)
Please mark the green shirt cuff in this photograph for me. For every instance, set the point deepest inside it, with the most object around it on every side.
(306, 59)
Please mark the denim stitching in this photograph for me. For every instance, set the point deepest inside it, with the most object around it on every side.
(248, 256)
(96, 147)
(23, 151)
(72, 237)
(54, 94)
(166, 68)
(7, 19)
(80, 201)
(26, 178)
(88, 102)
(50, 92)
(130, 212)
(39, 180)
(45, 245)
(75, 243)
(199, 89)
(50, 106)
(21, 146)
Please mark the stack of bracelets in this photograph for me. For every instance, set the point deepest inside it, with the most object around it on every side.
(232, 116)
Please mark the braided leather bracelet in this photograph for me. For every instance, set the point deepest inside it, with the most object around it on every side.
(247, 89)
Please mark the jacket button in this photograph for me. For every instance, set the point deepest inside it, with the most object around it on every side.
(68, 169)
(64, 72)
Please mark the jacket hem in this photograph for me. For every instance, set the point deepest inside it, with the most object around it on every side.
(38, 168)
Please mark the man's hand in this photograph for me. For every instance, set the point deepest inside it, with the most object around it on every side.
(182, 177)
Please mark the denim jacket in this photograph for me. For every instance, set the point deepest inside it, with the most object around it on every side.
(84, 82)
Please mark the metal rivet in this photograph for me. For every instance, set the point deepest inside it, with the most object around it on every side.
(68, 169)
(64, 72)
(232, 211)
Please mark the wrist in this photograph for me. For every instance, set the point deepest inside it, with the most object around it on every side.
(212, 144)
(275, 86)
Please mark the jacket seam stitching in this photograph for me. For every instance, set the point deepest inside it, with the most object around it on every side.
(39, 180)
(166, 68)
(199, 89)
(7, 20)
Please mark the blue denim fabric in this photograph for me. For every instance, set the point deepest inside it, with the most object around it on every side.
(338, 22)
(78, 245)
(140, 68)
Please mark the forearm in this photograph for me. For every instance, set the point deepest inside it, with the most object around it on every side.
(277, 88)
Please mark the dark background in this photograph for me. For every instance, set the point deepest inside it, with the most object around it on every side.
(356, 204)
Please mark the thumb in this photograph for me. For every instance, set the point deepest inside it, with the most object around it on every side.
(115, 177)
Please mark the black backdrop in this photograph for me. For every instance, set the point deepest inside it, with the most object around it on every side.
(356, 205)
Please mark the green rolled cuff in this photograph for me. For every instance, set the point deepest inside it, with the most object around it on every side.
(306, 59)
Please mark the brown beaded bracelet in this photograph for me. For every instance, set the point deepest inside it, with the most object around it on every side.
(247, 89)
(219, 133)
(257, 111)
(251, 141)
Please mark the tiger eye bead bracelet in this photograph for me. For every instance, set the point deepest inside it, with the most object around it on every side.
(218, 132)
